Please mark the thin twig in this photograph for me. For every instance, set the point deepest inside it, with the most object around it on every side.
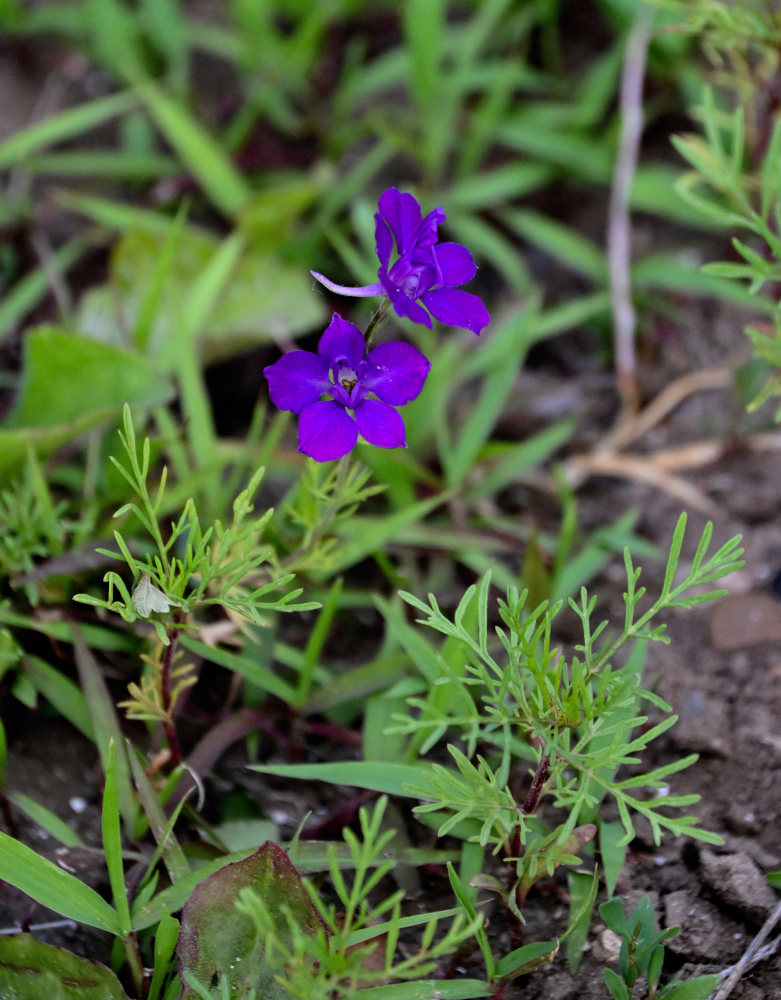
(618, 231)
(754, 953)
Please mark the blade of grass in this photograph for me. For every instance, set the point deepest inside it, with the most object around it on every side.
(30, 290)
(374, 775)
(49, 885)
(112, 841)
(63, 126)
(171, 853)
(46, 820)
(105, 724)
(61, 692)
(199, 151)
(108, 163)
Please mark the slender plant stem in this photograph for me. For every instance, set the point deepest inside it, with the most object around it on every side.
(165, 691)
(377, 320)
(618, 234)
(534, 794)
(133, 956)
(530, 804)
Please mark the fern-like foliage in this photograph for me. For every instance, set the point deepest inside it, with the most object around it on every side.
(579, 717)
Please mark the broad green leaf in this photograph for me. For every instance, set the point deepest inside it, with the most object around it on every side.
(618, 988)
(69, 384)
(252, 307)
(526, 959)
(68, 379)
(699, 988)
(270, 215)
(218, 942)
(30, 970)
(53, 887)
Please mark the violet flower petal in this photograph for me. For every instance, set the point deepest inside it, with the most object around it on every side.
(427, 234)
(401, 213)
(380, 424)
(326, 431)
(455, 264)
(342, 343)
(396, 372)
(383, 240)
(402, 305)
(296, 380)
(457, 308)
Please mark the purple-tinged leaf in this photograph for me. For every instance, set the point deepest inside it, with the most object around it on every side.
(217, 942)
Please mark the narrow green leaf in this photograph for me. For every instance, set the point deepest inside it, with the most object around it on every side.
(165, 944)
(63, 126)
(61, 692)
(172, 854)
(583, 892)
(53, 887)
(375, 775)
(200, 152)
(430, 989)
(46, 820)
(31, 289)
(112, 841)
(612, 852)
(105, 724)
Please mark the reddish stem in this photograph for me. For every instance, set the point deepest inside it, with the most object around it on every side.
(165, 691)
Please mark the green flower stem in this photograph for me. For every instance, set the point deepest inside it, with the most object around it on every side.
(377, 320)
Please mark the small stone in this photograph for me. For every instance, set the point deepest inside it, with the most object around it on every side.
(607, 947)
(741, 621)
(737, 880)
(741, 819)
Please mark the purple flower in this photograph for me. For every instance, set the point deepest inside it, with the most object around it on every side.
(341, 377)
(424, 272)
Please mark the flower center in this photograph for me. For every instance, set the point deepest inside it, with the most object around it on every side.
(411, 278)
(348, 379)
